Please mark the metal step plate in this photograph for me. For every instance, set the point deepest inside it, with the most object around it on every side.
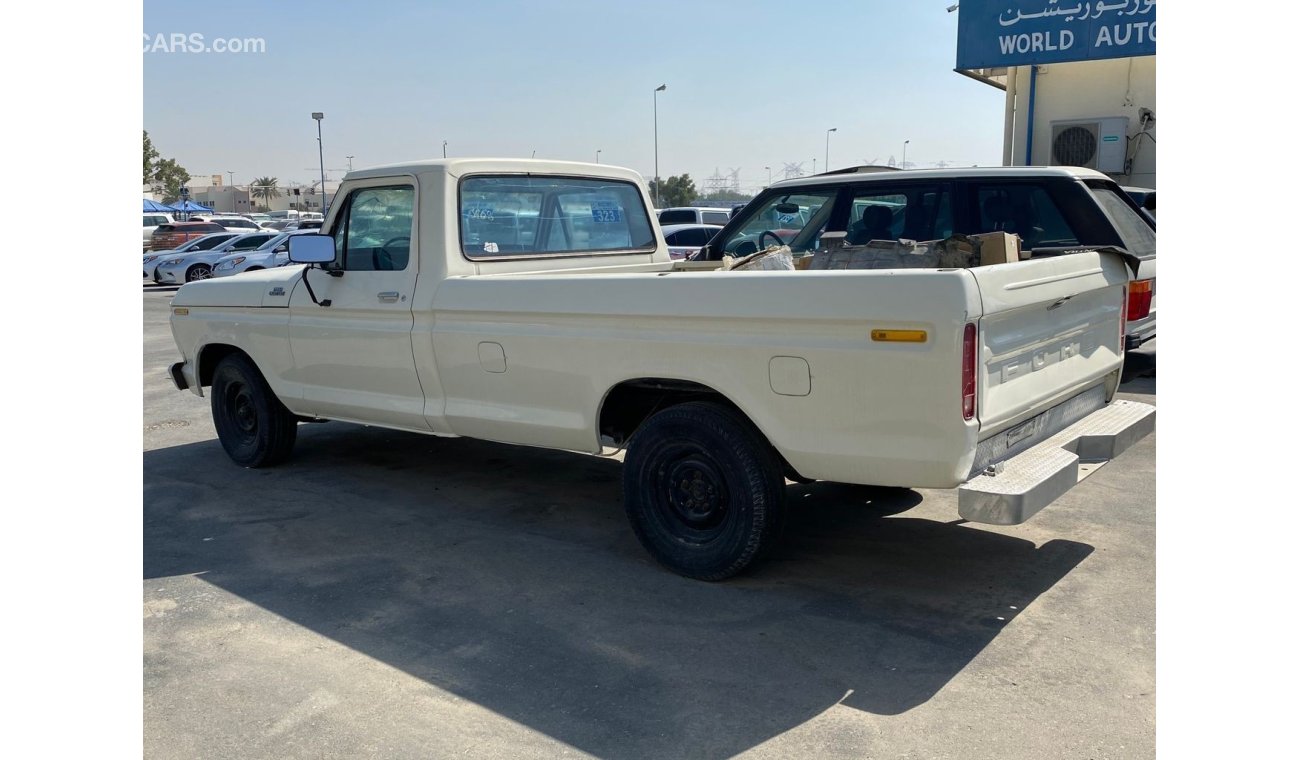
(1030, 480)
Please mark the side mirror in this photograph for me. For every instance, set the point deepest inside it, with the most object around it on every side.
(311, 249)
(281, 248)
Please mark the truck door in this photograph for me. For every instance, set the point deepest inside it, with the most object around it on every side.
(353, 357)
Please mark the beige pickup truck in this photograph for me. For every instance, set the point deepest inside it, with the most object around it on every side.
(535, 303)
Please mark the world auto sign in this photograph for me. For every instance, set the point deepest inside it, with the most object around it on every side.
(1021, 32)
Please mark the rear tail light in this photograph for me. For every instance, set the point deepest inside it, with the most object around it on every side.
(1139, 299)
(968, 354)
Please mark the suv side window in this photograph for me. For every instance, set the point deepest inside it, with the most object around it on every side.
(897, 212)
(1023, 209)
(376, 235)
(716, 217)
(680, 216)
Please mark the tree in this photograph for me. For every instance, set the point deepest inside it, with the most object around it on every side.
(171, 177)
(150, 157)
(264, 189)
(676, 191)
(727, 195)
(163, 172)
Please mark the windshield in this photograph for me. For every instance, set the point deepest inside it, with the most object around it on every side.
(273, 242)
(796, 220)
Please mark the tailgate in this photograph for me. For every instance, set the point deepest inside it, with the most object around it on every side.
(1051, 329)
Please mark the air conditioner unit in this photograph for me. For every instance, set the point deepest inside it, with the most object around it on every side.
(1100, 144)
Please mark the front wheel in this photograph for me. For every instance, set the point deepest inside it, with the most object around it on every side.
(198, 272)
(704, 490)
(255, 429)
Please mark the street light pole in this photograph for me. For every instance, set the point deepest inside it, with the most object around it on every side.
(350, 162)
(598, 155)
(658, 90)
(769, 174)
(232, 178)
(324, 196)
(444, 148)
(905, 142)
(828, 147)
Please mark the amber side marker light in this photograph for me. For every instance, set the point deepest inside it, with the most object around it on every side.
(898, 336)
(180, 312)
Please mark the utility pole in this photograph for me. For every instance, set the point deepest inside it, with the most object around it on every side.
(350, 162)
(658, 90)
(444, 148)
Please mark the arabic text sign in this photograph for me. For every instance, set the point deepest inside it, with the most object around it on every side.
(1022, 32)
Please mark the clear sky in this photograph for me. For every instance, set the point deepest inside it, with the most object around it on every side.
(750, 84)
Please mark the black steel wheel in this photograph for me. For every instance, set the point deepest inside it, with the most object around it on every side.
(255, 429)
(704, 490)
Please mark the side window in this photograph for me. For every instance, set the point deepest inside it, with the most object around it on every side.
(716, 217)
(376, 236)
(920, 212)
(680, 216)
(1025, 210)
(795, 219)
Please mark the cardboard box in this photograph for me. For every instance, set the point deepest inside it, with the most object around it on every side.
(996, 247)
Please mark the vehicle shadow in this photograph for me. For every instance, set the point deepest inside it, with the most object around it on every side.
(508, 576)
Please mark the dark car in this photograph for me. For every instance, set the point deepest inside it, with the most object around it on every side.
(171, 236)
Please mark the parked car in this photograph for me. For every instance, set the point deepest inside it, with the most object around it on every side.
(1052, 209)
(204, 243)
(302, 224)
(272, 253)
(197, 265)
(694, 215)
(686, 239)
(151, 221)
(171, 236)
(1144, 197)
(233, 222)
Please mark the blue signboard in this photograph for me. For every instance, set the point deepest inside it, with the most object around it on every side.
(1022, 32)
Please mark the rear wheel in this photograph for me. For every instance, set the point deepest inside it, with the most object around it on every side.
(704, 490)
(255, 429)
(198, 272)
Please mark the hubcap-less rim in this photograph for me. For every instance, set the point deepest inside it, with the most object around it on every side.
(202, 273)
(692, 495)
(240, 412)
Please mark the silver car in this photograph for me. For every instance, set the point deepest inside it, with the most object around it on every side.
(272, 253)
(197, 265)
(206, 242)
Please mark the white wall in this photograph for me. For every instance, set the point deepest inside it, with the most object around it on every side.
(1083, 90)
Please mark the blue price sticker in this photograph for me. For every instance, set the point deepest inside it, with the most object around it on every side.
(606, 212)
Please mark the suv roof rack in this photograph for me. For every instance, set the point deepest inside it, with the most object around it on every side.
(863, 169)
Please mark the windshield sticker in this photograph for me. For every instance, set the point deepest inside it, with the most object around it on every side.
(490, 248)
(479, 211)
(606, 212)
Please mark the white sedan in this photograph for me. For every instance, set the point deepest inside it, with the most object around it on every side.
(211, 240)
(272, 253)
(198, 265)
(685, 239)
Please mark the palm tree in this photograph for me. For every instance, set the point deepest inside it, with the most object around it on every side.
(264, 189)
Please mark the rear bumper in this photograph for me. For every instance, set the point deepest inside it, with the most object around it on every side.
(1016, 489)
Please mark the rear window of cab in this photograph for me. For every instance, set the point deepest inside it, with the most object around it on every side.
(522, 216)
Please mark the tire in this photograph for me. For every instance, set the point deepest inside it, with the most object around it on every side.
(255, 429)
(704, 490)
(198, 272)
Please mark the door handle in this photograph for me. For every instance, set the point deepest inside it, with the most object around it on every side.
(388, 296)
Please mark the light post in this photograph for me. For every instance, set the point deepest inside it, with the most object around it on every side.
(658, 90)
(232, 178)
(769, 174)
(598, 155)
(905, 142)
(320, 144)
(828, 147)
(444, 148)
(350, 162)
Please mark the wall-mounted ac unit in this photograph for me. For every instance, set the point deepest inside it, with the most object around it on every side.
(1100, 144)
